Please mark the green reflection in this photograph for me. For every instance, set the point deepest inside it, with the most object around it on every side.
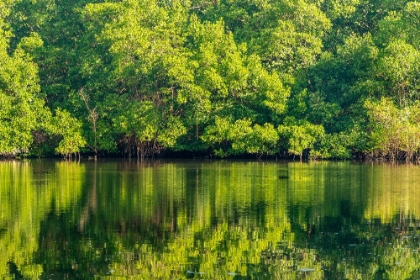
(28, 191)
(209, 220)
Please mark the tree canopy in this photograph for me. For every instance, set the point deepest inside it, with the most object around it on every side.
(311, 78)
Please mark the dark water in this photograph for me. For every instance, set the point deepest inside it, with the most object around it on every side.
(209, 220)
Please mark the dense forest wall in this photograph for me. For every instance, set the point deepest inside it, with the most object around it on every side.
(317, 78)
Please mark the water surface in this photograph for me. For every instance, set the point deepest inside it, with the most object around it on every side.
(209, 220)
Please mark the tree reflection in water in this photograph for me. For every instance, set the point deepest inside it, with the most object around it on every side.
(210, 220)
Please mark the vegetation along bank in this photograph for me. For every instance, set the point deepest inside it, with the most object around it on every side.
(316, 78)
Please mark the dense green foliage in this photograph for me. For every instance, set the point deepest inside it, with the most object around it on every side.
(318, 78)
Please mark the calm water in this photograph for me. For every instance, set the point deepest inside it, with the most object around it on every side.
(209, 220)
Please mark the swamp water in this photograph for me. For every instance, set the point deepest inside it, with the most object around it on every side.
(209, 220)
